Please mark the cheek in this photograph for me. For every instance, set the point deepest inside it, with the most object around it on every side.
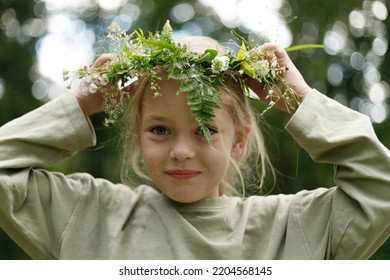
(151, 156)
(219, 162)
(226, 155)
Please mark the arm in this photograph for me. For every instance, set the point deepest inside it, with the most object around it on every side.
(18, 135)
(360, 204)
(35, 205)
(45, 136)
(351, 220)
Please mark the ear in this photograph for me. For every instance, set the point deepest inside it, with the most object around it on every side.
(240, 141)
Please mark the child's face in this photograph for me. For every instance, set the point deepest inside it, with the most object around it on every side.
(176, 155)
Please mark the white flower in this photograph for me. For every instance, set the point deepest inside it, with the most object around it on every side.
(103, 80)
(275, 68)
(86, 81)
(92, 88)
(220, 64)
(261, 68)
(114, 27)
(275, 64)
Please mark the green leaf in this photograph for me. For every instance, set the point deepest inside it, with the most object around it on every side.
(248, 70)
(155, 42)
(166, 33)
(208, 55)
(241, 56)
(181, 75)
(139, 33)
(242, 52)
(206, 133)
(188, 85)
(203, 100)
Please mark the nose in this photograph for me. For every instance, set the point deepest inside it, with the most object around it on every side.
(182, 150)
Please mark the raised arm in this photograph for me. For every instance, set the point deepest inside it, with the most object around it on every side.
(360, 203)
(36, 205)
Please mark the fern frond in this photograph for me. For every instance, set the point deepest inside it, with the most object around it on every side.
(158, 43)
(179, 75)
(166, 33)
(188, 85)
(203, 99)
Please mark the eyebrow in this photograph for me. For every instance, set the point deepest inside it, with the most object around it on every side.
(155, 117)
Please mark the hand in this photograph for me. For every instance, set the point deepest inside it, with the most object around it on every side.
(93, 103)
(292, 76)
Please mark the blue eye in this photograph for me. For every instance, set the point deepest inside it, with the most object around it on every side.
(159, 130)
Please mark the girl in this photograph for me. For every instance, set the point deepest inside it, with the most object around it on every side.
(188, 215)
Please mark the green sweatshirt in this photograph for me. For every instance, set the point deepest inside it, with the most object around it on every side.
(55, 216)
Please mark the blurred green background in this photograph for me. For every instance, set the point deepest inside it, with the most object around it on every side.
(39, 39)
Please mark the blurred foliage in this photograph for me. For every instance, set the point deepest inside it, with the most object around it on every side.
(311, 24)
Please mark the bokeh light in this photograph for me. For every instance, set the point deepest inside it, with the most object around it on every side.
(182, 12)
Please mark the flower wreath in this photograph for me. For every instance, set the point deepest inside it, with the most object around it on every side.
(201, 74)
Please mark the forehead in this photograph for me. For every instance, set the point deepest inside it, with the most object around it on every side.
(166, 100)
(169, 104)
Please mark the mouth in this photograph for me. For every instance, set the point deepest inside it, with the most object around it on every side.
(182, 174)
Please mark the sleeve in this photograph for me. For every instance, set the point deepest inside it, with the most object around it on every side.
(354, 215)
(35, 205)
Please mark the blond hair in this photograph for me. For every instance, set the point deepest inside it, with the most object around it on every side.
(249, 170)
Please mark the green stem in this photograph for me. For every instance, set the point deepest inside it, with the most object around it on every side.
(303, 47)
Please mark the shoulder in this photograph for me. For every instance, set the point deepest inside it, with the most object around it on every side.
(290, 202)
(101, 192)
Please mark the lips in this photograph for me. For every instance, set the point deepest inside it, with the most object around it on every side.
(182, 174)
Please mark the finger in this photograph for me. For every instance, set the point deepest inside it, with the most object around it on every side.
(101, 60)
(278, 51)
(271, 47)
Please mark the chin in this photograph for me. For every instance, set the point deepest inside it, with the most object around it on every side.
(184, 198)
